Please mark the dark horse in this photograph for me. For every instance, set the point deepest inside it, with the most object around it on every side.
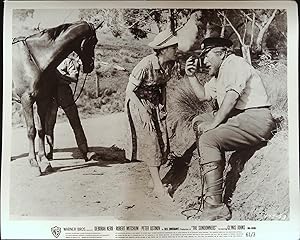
(34, 61)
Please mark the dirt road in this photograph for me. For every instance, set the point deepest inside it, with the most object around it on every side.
(108, 187)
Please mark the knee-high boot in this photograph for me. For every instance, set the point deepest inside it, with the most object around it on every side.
(213, 207)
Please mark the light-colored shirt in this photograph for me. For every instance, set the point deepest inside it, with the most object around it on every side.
(237, 74)
(148, 72)
(69, 67)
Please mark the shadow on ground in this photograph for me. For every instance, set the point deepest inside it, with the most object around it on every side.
(104, 157)
(113, 154)
(179, 169)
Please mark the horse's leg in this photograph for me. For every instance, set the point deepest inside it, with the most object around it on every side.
(27, 104)
(41, 116)
(49, 126)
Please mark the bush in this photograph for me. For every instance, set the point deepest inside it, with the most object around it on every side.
(183, 106)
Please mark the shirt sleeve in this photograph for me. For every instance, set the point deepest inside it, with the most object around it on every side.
(73, 68)
(235, 75)
(69, 67)
(210, 89)
(139, 73)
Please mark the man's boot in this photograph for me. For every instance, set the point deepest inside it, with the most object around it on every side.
(88, 156)
(211, 200)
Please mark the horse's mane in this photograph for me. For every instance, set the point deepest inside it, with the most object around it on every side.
(53, 33)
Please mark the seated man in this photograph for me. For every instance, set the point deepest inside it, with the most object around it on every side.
(243, 120)
(67, 72)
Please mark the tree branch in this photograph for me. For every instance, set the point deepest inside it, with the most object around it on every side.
(269, 20)
(250, 19)
(252, 29)
(233, 28)
(223, 25)
(245, 31)
(141, 19)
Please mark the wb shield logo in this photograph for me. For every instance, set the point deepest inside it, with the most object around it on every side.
(56, 231)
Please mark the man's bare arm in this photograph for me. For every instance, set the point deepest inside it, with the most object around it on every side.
(190, 69)
(226, 107)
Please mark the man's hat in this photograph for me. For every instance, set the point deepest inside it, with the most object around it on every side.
(210, 43)
(164, 39)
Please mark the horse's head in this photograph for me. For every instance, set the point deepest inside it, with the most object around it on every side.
(86, 50)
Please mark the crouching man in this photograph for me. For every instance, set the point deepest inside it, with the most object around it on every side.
(243, 119)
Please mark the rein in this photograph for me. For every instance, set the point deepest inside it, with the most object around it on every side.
(82, 87)
(75, 100)
(31, 55)
(23, 40)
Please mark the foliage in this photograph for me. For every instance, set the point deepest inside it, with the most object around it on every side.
(113, 19)
(22, 14)
(184, 104)
(251, 27)
(129, 49)
(140, 21)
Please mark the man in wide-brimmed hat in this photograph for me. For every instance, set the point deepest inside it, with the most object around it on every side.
(243, 119)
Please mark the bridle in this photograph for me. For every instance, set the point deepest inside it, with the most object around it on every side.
(92, 29)
(32, 57)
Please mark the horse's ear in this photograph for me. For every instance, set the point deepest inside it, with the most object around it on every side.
(99, 26)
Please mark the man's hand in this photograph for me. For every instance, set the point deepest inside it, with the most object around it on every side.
(191, 66)
(146, 119)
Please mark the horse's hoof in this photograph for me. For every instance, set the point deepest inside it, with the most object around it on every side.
(90, 156)
(47, 170)
(49, 156)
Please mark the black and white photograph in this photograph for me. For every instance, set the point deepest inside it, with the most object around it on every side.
(171, 113)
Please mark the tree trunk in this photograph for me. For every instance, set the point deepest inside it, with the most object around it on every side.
(97, 85)
(172, 20)
(246, 53)
(262, 32)
(258, 47)
(222, 34)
